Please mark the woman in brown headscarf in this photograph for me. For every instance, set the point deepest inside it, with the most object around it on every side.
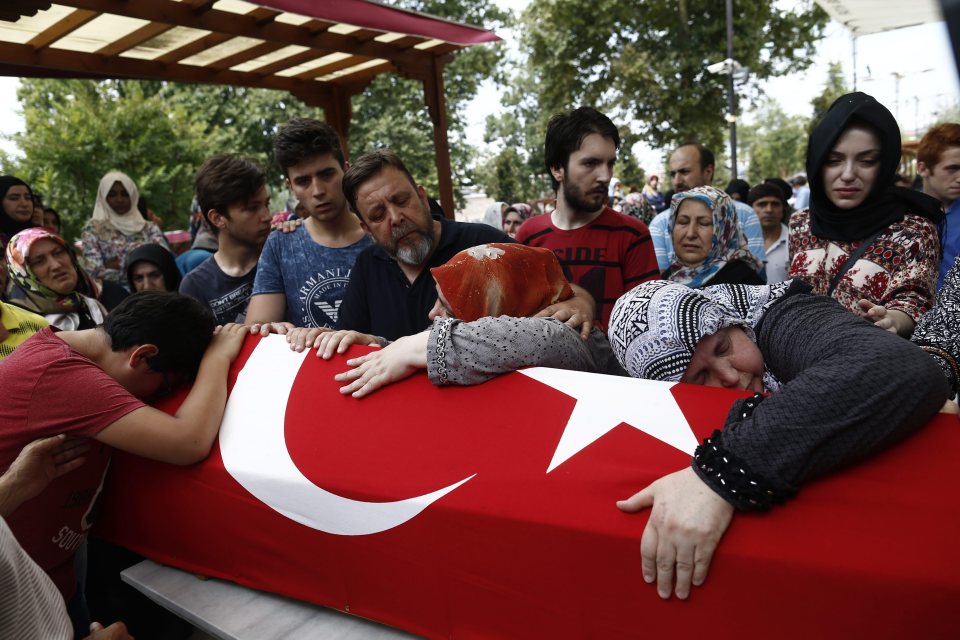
(483, 325)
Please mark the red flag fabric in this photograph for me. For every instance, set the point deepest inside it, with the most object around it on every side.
(514, 532)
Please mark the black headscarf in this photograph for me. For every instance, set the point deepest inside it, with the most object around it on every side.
(160, 256)
(740, 187)
(885, 204)
(8, 226)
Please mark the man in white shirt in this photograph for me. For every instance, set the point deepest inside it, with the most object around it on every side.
(767, 201)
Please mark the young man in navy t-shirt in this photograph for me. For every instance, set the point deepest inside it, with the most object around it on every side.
(232, 193)
(302, 276)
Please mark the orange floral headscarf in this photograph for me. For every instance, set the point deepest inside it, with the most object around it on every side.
(501, 279)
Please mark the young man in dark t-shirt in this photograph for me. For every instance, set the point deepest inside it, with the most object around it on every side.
(603, 251)
(232, 193)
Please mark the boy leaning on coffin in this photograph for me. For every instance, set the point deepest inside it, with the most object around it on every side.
(91, 384)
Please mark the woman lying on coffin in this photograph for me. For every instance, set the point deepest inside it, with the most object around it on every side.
(938, 332)
(482, 326)
(840, 389)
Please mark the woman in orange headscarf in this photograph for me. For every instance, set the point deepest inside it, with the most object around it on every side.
(482, 325)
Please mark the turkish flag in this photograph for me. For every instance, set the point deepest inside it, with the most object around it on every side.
(489, 511)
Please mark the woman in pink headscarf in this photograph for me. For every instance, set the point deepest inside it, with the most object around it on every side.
(48, 280)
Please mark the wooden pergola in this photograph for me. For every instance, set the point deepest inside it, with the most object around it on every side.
(322, 52)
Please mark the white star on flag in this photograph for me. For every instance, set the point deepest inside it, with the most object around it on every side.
(604, 402)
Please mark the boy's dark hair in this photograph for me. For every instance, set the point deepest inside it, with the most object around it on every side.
(785, 189)
(740, 187)
(765, 190)
(565, 134)
(227, 179)
(303, 138)
(367, 166)
(707, 159)
(179, 326)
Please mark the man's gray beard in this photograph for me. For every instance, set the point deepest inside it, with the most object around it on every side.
(417, 255)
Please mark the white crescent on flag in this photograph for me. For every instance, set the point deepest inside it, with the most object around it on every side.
(254, 451)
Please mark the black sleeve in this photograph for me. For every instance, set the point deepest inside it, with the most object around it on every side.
(355, 309)
(938, 332)
(849, 389)
(737, 272)
(484, 233)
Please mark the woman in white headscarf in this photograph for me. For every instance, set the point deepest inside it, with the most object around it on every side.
(493, 215)
(115, 229)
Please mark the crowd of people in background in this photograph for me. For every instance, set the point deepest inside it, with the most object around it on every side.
(802, 292)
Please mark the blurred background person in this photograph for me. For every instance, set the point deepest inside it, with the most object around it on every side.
(738, 190)
(51, 220)
(151, 267)
(16, 213)
(115, 229)
(767, 200)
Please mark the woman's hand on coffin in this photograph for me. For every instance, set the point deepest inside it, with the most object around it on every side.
(394, 362)
(685, 526)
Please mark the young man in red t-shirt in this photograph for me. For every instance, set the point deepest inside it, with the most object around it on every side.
(89, 384)
(605, 252)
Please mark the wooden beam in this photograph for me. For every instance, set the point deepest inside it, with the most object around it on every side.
(13, 10)
(134, 39)
(437, 105)
(362, 78)
(290, 61)
(199, 6)
(65, 26)
(200, 44)
(245, 56)
(93, 65)
(249, 26)
(330, 68)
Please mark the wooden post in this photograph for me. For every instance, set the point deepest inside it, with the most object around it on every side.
(437, 105)
(337, 112)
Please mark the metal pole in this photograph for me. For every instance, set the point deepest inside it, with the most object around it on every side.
(853, 39)
(732, 97)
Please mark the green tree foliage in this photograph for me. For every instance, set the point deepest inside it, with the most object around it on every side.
(160, 132)
(645, 64)
(78, 130)
(391, 112)
(517, 129)
(499, 178)
(833, 88)
(776, 144)
(628, 169)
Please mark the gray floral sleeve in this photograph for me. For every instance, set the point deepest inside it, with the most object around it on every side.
(465, 353)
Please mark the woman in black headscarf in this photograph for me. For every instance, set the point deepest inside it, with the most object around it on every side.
(16, 208)
(865, 242)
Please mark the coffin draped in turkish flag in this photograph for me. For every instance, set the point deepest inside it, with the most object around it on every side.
(488, 511)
